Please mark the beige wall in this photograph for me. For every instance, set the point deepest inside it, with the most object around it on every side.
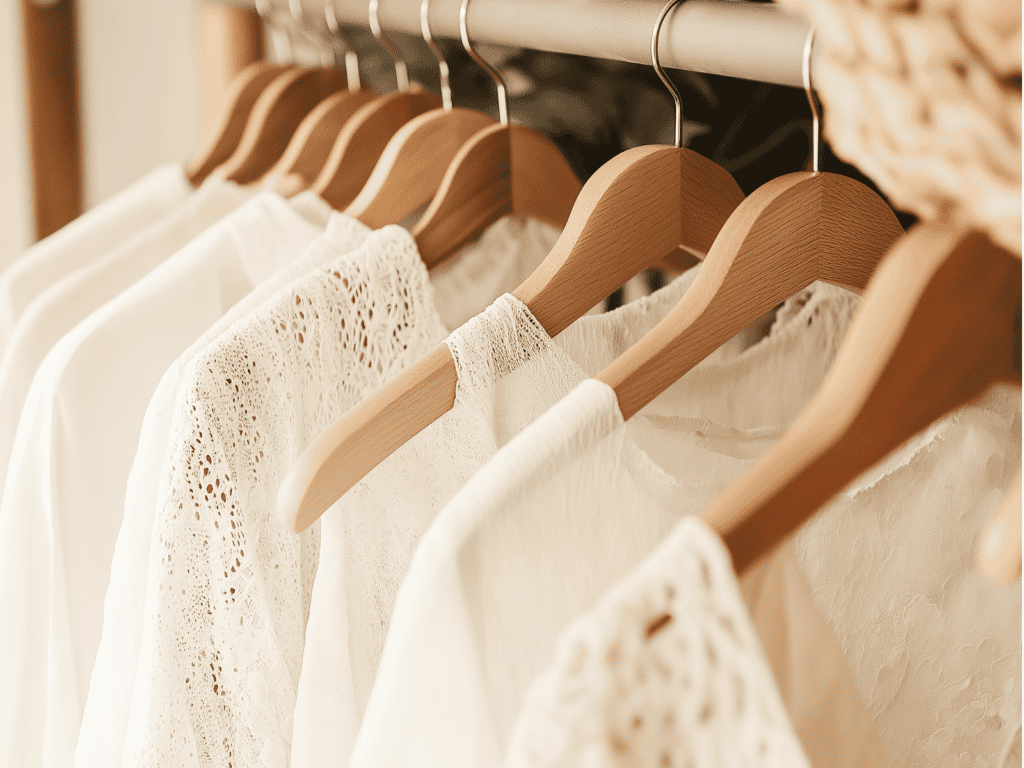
(140, 101)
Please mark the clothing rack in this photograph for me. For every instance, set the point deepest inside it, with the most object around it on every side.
(722, 37)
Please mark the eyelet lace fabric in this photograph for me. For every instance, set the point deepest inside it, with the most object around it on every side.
(667, 671)
(223, 691)
(229, 586)
(101, 741)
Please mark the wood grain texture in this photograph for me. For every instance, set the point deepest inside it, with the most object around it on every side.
(503, 169)
(935, 330)
(368, 434)
(362, 141)
(637, 208)
(310, 145)
(277, 113)
(413, 165)
(239, 103)
(50, 39)
(790, 232)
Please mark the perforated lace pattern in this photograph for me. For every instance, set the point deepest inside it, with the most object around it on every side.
(229, 587)
(666, 671)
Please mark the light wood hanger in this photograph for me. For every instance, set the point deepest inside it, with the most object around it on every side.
(790, 232)
(641, 205)
(937, 327)
(415, 160)
(278, 112)
(240, 100)
(311, 144)
(504, 169)
(364, 137)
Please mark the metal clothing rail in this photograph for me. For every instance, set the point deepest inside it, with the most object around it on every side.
(724, 37)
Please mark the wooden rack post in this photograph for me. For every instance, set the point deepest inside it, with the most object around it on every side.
(51, 75)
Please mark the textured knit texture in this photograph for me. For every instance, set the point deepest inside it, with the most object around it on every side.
(105, 719)
(229, 588)
(667, 670)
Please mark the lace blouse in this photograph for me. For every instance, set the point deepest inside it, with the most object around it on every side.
(666, 670)
(509, 372)
(105, 719)
(221, 565)
(571, 505)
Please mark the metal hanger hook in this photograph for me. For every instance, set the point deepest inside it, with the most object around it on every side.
(442, 64)
(809, 90)
(351, 55)
(495, 76)
(656, 58)
(401, 71)
(313, 34)
(265, 9)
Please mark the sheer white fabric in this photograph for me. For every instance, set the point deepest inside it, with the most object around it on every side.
(667, 670)
(221, 566)
(64, 497)
(105, 720)
(447, 691)
(65, 303)
(93, 234)
(934, 648)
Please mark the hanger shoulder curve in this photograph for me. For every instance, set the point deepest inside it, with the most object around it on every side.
(363, 139)
(938, 326)
(369, 433)
(639, 207)
(413, 164)
(503, 169)
(310, 145)
(794, 230)
(241, 98)
(278, 112)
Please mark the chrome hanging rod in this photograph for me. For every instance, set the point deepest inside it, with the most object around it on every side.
(752, 41)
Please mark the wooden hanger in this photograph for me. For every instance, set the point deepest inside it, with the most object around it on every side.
(311, 144)
(241, 98)
(937, 327)
(641, 205)
(278, 112)
(366, 134)
(499, 171)
(412, 166)
(790, 232)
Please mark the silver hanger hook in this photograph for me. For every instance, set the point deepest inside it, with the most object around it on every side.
(401, 71)
(446, 88)
(809, 90)
(656, 58)
(498, 82)
(265, 9)
(351, 55)
(313, 34)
